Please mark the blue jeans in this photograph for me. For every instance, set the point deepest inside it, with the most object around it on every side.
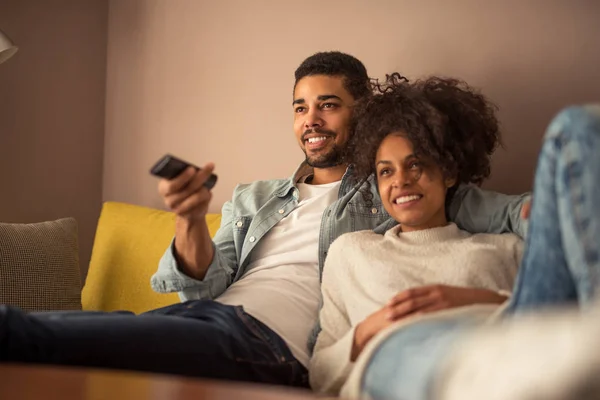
(561, 263)
(199, 338)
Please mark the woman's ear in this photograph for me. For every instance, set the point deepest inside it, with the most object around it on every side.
(450, 182)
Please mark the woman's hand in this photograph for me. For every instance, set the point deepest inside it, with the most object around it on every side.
(426, 299)
(420, 300)
(368, 328)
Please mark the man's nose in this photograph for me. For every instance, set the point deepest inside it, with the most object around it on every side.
(313, 119)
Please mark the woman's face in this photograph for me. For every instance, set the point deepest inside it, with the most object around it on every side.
(413, 190)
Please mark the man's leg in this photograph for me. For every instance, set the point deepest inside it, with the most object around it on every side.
(561, 262)
(198, 338)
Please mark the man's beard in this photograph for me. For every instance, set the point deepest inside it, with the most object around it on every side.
(332, 158)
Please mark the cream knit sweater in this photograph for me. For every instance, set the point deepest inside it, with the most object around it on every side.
(364, 270)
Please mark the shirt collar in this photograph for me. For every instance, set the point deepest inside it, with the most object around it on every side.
(302, 172)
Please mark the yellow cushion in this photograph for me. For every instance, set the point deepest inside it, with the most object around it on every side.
(130, 240)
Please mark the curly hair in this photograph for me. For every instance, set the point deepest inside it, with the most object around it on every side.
(335, 63)
(447, 121)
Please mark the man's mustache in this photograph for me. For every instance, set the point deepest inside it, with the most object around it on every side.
(317, 130)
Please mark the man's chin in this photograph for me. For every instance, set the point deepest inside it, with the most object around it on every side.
(329, 160)
(322, 163)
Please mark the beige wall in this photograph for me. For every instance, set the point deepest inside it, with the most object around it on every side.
(52, 95)
(212, 80)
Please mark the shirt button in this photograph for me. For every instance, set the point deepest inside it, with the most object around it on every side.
(239, 224)
(252, 239)
(374, 210)
(281, 211)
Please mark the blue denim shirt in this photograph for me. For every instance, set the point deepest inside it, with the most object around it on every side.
(257, 207)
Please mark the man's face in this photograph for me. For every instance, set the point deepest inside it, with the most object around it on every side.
(322, 108)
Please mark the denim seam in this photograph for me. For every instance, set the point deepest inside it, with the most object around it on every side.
(578, 219)
(250, 324)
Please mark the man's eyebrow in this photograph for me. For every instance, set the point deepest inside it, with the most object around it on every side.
(383, 162)
(322, 97)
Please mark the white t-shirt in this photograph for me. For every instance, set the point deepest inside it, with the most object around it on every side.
(281, 285)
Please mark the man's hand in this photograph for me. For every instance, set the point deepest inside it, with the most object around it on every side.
(526, 209)
(186, 195)
(420, 300)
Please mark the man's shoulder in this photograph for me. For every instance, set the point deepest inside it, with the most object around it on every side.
(262, 186)
(260, 189)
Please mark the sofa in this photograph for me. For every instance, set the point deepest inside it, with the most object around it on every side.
(40, 268)
(129, 242)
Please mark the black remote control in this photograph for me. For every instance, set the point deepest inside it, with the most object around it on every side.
(169, 167)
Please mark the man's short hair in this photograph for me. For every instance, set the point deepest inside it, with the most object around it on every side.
(335, 63)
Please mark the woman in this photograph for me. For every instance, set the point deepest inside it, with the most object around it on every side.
(422, 140)
(540, 349)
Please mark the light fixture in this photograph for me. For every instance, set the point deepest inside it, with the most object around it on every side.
(7, 47)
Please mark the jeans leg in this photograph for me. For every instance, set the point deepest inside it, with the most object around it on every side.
(199, 338)
(561, 263)
(405, 364)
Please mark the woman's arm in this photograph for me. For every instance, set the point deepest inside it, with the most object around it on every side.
(330, 364)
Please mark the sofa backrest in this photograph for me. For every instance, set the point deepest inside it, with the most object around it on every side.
(129, 242)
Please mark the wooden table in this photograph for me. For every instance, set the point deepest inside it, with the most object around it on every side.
(21, 382)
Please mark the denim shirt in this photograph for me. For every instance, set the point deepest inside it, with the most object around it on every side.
(257, 207)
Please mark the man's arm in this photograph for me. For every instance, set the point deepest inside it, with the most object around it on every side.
(193, 247)
(195, 265)
(171, 276)
(482, 211)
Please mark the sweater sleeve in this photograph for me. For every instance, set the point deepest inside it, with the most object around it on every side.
(330, 364)
(515, 250)
(519, 251)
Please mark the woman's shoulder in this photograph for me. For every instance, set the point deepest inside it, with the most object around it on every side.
(501, 240)
(351, 246)
(494, 237)
(355, 239)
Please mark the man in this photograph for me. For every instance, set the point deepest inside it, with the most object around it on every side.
(252, 293)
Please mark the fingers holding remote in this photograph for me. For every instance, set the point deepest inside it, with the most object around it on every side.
(186, 195)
